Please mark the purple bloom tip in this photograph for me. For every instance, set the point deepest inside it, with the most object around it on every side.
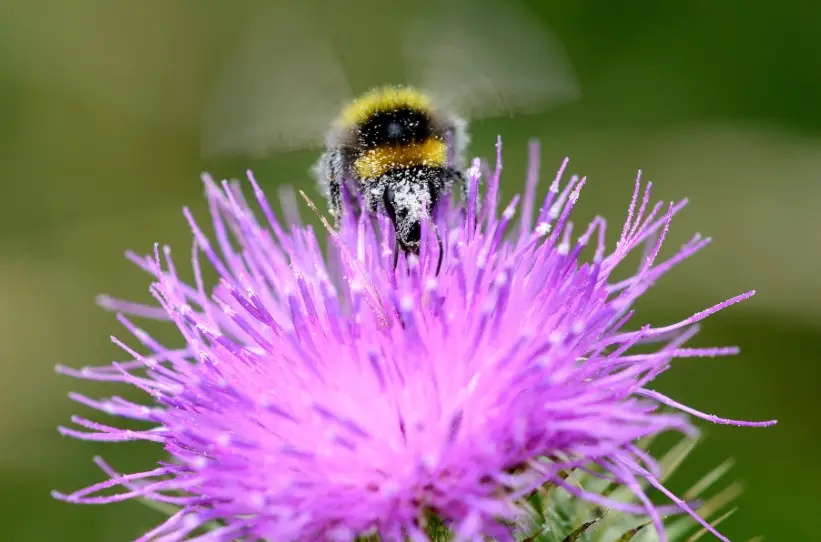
(323, 395)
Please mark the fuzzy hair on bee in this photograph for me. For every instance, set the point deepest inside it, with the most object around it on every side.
(401, 152)
(399, 149)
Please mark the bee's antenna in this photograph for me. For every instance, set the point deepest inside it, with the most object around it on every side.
(396, 254)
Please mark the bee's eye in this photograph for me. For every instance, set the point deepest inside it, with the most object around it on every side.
(387, 201)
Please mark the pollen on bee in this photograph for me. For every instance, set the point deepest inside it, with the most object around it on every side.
(376, 162)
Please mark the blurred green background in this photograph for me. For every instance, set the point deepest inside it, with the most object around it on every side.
(100, 108)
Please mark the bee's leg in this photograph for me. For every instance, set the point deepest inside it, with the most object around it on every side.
(454, 176)
(441, 249)
(335, 200)
(464, 192)
(329, 171)
(460, 178)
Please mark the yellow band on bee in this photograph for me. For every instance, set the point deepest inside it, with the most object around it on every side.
(376, 162)
(383, 99)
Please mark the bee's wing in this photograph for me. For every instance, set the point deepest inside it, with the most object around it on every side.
(280, 89)
(488, 58)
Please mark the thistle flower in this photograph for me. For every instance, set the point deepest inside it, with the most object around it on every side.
(329, 398)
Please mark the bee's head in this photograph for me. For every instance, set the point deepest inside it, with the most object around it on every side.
(407, 204)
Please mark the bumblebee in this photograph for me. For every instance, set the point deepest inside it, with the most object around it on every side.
(399, 148)
(401, 153)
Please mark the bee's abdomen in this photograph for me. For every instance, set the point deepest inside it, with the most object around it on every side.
(400, 126)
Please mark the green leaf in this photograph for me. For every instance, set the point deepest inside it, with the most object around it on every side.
(553, 515)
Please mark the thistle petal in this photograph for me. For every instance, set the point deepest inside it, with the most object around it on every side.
(326, 395)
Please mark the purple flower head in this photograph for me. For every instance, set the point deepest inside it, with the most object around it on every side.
(323, 398)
